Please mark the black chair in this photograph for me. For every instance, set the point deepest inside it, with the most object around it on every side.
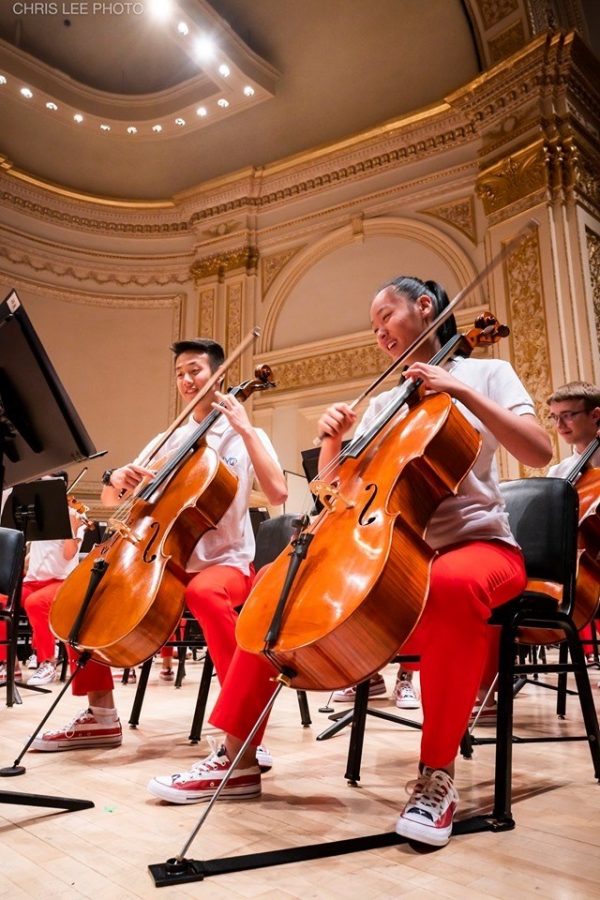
(12, 557)
(543, 514)
(272, 536)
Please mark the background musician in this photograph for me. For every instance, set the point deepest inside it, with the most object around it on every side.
(48, 564)
(220, 566)
(478, 567)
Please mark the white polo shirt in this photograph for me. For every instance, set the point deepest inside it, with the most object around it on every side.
(46, 560)
(562, 469)
(477, 511)
(231, 543)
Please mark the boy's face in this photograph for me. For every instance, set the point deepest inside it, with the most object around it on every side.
(574, 424)
(192, 371)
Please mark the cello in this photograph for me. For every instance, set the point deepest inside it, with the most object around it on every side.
(137, 600)
(335, 626)
(586, 481)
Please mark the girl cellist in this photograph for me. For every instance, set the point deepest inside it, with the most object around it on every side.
(478, 567)
(220, 566)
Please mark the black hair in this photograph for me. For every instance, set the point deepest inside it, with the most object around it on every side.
(413, 288)
(214, 351)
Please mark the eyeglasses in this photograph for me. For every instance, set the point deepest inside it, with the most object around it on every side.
(566, 417)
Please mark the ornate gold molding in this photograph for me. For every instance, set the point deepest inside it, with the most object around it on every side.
(518, 176)
(233, 328)
(493, 11)
(507, 43)
(271, 266)
(221, 263)
(593, 247)
(329, 368)
(529, 334)
(459, 213)
(206, 312)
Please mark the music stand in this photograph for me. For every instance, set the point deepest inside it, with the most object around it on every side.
(40, 432)
(38, 509)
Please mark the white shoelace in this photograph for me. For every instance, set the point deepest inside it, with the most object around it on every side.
(69, 728)
(432, 790)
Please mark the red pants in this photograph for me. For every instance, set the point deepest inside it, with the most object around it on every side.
(212, 596)
(452, 639)
(37, 598)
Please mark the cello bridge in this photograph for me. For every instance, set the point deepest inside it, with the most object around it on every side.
(123, 529)
(328, 494)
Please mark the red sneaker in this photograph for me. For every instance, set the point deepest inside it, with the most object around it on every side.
(428, 815)
(201, 782)
(82, 732)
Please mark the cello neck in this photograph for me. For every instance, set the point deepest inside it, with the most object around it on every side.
(583, 460)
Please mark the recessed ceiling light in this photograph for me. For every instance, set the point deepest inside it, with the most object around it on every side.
(202, 111)
(2, 79)
(51, 106)
(157, 129)
(182, 28)
(132, 129)
(224, 70)
(180, 122)
(204, 48)
(27, 92)
(104, 127)
(223, 103)
(159, 9)
(78, 118)
(249, 91)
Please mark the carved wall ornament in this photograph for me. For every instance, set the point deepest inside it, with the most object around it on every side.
(459, 213)
(222, 229)
(329, 368)
(514, 178)
(586, 180)
(233, 328)
(271, 266)
(206, 312)
(529, 333)
(507, 43)
(493, 11)
(593, 247)
(221, 263)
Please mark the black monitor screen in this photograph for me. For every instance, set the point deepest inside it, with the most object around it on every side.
(41, 431)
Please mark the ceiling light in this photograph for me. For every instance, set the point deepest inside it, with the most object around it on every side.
(78, 118)
(2, 79)
(51, 106)
(132, 129)
(202, 111)
(204, 48)
(183, 29)
(224, 70)
(180, 122)
(249, 91)
(157, 129)
(223, 103)
(160, 9)
(104, 127)
(27, 92)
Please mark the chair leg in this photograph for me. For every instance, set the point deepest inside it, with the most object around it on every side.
(586, 699)
(357, 733)
(503, 778)
(201, 700)
(181, 652)
(561, 697)
(304, 710)
(134, 718)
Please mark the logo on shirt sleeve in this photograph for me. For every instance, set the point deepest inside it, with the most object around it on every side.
(231, 460)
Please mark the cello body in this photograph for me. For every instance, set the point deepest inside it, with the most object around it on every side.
(139, 601)
(587, 584)
(362, 586)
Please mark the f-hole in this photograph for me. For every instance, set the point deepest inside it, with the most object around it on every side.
(361, 519)
(155, 527)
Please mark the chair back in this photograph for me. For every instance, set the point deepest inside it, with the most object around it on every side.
(272, 536)
(543, 514)
(12, 546)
